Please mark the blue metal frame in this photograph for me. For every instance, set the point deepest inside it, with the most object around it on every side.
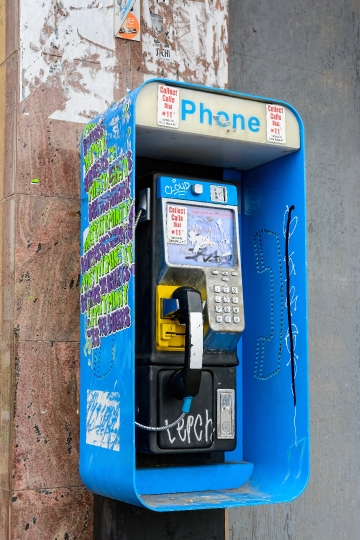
(275, 440)
(167, 187)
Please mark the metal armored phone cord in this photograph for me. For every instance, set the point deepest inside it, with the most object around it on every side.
(186, 401)
(185, 409)
(138, 216)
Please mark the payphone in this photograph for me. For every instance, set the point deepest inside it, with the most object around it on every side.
(190, 314)
(193, 328)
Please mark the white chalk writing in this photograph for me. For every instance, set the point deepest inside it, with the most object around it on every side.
(192, 429)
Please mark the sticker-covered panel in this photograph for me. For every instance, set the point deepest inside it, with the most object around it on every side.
(107, 300)
(107, 259)
(200, 235)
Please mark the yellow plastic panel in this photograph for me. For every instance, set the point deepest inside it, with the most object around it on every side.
(170, 335)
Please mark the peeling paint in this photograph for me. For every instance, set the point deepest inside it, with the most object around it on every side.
(69, 44)
(195, 31)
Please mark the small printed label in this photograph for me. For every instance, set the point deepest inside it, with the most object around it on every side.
(168, 106)
(225, 414)
(176, 224)
(275, 123)
(218, 193)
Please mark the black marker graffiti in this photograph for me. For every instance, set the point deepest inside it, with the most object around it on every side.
(289, 300)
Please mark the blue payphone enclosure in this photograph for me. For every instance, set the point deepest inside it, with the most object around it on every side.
(271, 461)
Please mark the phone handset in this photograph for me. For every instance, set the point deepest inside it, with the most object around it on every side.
(185, 383)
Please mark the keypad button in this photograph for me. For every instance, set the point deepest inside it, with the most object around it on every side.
(234, 299)
(226, 289)
(217, 299)
(234, 290)
(218, 309)
(225, 273)
(234, 273)
(225, 279)
(215, 272)
(227, 318)
(236, 320)
(217, 288)
(226, 298)
(227, 309)
(218, 318)
(236, 310)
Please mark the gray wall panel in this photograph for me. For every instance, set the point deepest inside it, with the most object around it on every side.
(308, 53)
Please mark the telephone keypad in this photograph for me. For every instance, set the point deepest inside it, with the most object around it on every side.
(225, 307)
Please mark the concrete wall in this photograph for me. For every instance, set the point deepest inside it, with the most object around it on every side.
(308, 53)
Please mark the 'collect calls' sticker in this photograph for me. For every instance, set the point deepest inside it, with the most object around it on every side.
(176, 218)
(168, 106)
(275, 123)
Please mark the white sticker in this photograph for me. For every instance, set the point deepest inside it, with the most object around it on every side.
(275, 123)
(197, 340)
(218, 193)
(162, 51)
(168, 106)
(103, 419)
(176, 224)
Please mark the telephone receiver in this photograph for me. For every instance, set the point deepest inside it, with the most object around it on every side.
(186, 306)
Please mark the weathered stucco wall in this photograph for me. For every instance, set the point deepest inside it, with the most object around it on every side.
(70, 46)
(60, 65)
(308, 53)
